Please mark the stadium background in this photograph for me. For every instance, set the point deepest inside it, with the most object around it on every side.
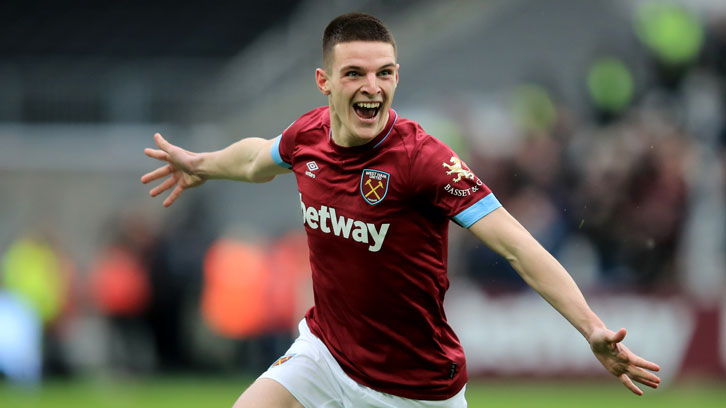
(599, 124)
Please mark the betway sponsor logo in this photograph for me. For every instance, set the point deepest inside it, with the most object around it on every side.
(329, 222)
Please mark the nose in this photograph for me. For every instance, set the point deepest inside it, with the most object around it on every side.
(370, 86)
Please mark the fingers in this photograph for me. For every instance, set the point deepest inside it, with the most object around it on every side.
(161, 142)
(157, 174)
(618, 337)
(650, 384)
(644, 377)
(173, 196)
(156, 154)
(167, 184)
(643, 363)
(629, 384)
(639, 362)
(163, 145)
(163, 171)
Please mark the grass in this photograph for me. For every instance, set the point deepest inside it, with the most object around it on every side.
(222, 392)
(605, 393)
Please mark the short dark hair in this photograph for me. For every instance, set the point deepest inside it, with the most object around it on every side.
(354, 27)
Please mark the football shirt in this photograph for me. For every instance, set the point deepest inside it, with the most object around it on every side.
(376, 218)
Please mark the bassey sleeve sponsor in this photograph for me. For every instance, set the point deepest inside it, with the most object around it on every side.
(448, 182)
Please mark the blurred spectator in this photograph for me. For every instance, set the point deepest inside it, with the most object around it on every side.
(290, 295)
(673, 35)
(20, 340)
(32, 269)
(176, 281)
(531, 181)
(631, 198)
(120, 289)
(120, 282)
(234, 301)
(36, 271)
(255, 294)
(610, 86)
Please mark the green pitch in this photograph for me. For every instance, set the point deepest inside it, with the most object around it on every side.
(222, 392)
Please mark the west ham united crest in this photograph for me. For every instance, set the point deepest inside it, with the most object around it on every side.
(374, 185)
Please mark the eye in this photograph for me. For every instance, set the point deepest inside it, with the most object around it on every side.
(351, 74)
(385, 72)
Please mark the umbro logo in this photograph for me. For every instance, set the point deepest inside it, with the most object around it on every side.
(312, 166)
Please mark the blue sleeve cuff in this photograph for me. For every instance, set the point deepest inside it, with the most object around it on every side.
(276, 154)
(477, 211)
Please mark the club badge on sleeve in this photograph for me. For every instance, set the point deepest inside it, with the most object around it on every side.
(458, 172)
(374, 185)
(458, 169)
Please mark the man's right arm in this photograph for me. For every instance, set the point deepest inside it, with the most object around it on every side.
(247, 160)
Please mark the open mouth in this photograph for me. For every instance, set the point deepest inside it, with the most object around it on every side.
(366, 110)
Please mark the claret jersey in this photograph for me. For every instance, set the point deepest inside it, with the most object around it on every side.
(376, 218)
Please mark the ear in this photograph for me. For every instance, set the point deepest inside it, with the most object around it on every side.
(321, 79)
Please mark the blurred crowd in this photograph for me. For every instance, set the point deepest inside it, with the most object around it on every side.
(617, 190)
(622, 183)
(156, 298)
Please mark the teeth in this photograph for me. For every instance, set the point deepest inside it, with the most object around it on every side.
(369, 105)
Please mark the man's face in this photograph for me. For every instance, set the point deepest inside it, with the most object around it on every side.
(360, 81)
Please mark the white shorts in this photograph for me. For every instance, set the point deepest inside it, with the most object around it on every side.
(315, 379)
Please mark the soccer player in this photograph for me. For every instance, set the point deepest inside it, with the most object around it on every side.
(376, 196)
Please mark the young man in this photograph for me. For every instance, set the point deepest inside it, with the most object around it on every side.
(376, 196)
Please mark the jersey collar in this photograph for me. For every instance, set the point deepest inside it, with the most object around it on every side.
(377, 141)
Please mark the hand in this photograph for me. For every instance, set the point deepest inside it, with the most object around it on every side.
(179, 169)
(621, 362)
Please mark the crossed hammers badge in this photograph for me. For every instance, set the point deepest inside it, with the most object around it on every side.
(374, 185)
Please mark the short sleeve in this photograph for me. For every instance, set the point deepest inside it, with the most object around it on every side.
(282, 149)
(286, 144)
(277, 153)
(449, 184)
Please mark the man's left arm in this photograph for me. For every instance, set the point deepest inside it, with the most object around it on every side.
(505, 235)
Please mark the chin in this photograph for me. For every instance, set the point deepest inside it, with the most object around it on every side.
(367, 133)
(363, 131)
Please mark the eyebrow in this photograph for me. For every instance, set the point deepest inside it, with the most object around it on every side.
(356, 67)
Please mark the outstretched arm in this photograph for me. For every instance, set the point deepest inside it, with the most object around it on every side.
(246, 160)
(503, 234)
